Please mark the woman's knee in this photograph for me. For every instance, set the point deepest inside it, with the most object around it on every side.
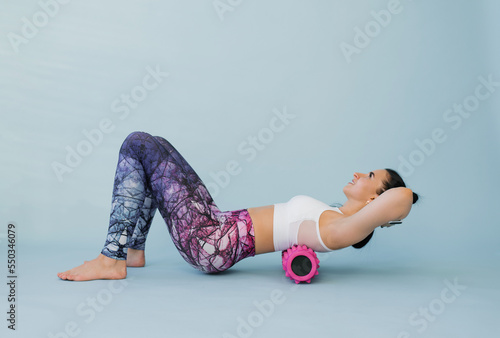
(137, 135)
(135, 138)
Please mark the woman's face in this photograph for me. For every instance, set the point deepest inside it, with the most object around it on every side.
(364, 187)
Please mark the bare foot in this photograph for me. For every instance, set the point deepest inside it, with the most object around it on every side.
(135, 258)
(100, 268)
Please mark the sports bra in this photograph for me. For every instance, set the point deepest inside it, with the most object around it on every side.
(296, 222)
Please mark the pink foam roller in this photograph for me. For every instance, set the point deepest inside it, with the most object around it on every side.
(300, 263)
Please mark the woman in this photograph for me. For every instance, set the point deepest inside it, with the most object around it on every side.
(152, 175)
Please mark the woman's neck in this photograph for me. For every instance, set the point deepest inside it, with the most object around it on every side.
(351, 207)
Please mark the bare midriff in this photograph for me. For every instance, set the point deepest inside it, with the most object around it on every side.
(262, 219)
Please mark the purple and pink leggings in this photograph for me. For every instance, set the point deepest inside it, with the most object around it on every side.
(151, 174)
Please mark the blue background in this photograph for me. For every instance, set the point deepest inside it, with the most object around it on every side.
(229, 71)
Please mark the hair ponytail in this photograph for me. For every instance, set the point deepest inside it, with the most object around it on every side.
(361, 244)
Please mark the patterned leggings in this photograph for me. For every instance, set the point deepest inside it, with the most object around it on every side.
(151, 174)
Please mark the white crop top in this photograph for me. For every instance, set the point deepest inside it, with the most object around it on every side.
(296, 222)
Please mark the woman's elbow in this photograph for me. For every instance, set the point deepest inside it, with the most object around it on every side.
(407, 201)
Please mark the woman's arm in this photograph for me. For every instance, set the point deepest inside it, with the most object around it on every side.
(393, 204)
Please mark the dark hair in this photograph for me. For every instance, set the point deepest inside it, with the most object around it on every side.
(394, 181)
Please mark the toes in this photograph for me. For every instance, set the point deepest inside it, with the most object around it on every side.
(65, 275)
(69, 277)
